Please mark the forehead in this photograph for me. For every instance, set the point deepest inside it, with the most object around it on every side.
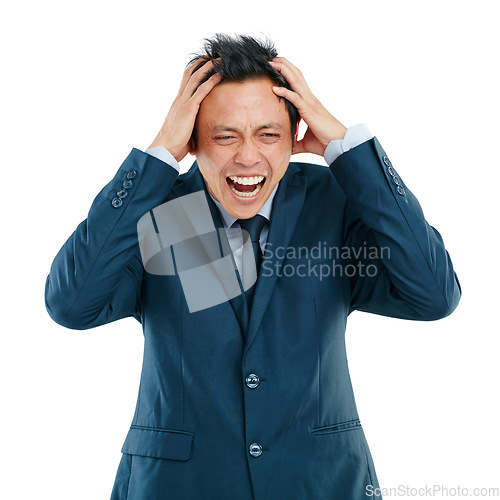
(243, 104)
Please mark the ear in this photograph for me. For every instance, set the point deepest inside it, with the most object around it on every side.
(296, 133)
(191, 147)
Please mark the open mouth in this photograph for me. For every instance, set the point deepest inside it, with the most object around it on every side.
(246, 187)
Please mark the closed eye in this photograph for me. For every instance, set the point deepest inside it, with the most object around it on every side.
(269, 138)
(225, 140)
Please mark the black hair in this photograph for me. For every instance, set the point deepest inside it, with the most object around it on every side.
(241, 57)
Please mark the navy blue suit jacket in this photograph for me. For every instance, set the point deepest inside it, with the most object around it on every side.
(197, 416)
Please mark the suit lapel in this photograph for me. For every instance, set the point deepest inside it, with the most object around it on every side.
(193, 182)
(287, 205)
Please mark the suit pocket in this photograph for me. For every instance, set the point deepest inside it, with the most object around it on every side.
(153, 442)
(348, 425)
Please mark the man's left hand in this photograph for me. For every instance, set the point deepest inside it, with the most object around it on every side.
(322, 127)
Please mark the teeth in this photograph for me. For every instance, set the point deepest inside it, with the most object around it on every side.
(247, 195)
(246, 181)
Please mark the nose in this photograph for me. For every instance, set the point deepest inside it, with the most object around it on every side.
(248, 154)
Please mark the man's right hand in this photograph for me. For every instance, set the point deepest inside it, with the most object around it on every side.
(177, 129)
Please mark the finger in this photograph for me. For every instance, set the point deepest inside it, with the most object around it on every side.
(205, 88)
(196, 78)
(285, 62)
(193, 76)
(287, 69)
(289, 95)
(287, 66)
(292, 75)
(188, 73)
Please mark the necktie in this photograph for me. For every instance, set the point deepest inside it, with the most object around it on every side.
(254, 227)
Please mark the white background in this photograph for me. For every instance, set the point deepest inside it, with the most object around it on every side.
(83, 83)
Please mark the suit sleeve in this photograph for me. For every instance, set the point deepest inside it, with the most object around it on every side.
(96, 277)
(398, 263)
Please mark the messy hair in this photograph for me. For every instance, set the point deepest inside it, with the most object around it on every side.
(241, 57)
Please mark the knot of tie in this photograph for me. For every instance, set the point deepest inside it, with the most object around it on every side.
(253, 226)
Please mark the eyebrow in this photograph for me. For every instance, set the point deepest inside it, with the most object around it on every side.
(228, 128)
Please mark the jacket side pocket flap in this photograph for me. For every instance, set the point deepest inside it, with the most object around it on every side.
(348, 425)
(158, 443)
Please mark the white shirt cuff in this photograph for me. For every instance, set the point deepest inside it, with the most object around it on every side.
(164, 155)
(355, 135)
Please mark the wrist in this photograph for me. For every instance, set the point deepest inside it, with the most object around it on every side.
(338, 132)
(161, 140)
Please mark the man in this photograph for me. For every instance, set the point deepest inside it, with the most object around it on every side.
(246, 395)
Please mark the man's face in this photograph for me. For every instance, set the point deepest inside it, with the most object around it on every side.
(244, 143)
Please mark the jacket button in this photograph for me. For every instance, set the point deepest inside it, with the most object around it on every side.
(255, 450)
(117, 202)
(386, 161)
(401, 190)
(396, 180)
(127, 184)
(122, 193)
(252, 381)
(131, 174)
